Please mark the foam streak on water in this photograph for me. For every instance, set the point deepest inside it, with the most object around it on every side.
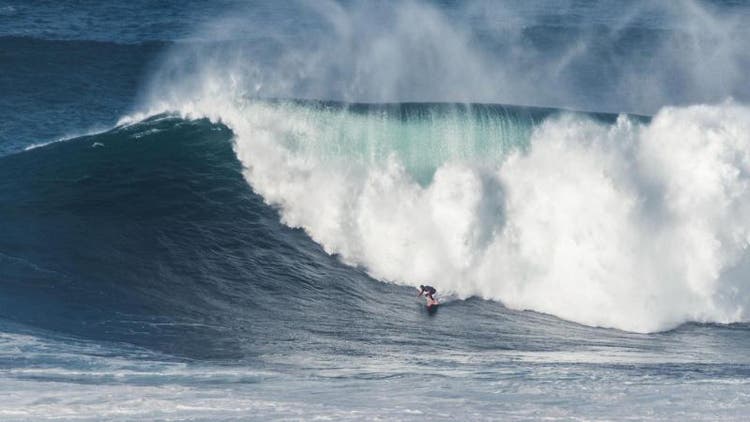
(78, 380)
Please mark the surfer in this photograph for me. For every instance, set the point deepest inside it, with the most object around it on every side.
(428, 292)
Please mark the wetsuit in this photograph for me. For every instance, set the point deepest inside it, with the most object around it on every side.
(429, 291)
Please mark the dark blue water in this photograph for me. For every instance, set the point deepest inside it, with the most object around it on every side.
(186, 250)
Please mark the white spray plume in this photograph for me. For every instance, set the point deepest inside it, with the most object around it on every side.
(613, 56)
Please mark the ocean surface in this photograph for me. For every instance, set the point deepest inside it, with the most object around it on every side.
(221, 210)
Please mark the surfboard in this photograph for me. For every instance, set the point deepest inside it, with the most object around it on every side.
(432, 309)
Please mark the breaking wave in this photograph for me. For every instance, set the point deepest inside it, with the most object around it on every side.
(634, 223)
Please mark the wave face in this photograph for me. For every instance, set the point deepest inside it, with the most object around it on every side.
(637, 224)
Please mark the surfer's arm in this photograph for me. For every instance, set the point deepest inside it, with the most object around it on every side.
(420, 293)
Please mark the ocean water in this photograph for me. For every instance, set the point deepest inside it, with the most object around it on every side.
(220, 211)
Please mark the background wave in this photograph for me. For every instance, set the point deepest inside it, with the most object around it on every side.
(58, 89)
